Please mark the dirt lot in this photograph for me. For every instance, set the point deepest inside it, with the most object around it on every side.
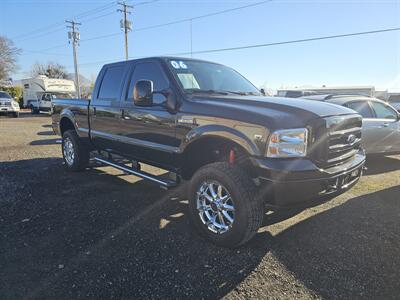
(74, 235)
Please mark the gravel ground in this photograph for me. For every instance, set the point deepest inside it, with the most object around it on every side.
(102, 234)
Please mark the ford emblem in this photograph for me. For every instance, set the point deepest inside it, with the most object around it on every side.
(351, 139)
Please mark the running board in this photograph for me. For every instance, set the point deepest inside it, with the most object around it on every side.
(165, 183)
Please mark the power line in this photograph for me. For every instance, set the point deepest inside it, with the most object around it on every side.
(58, 24)
(292, 41)
(30, 52)
(43, 31)
(203, 16)
(178, 21)
(43, 51)
(266, 44)
(101, 37)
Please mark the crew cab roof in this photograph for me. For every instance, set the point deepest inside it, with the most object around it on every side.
(159, 58)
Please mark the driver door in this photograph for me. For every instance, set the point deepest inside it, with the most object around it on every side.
(45, 101)
(148, 132)
(371, 127)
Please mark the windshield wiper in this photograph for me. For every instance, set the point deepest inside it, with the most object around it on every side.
(200, 91)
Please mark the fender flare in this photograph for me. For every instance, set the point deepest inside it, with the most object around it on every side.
(223, 132)
(66, 113)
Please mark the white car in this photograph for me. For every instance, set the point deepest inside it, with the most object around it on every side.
(8, 105)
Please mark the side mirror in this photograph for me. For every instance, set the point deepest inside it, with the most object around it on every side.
(262, 91)
(143, 93)
(16, 99)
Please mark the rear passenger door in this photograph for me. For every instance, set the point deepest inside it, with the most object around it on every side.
(149, 132)
(105, 107)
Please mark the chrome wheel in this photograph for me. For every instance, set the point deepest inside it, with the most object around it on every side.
(68, 150)
(215, 207)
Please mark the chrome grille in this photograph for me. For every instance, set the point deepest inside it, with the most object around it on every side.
(5, 103)
(339, 140)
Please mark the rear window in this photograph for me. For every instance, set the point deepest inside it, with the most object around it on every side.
(111, 83)
(362, 107)
(293, 94)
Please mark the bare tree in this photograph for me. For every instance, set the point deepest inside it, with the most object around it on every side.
(51, 70)
(8, 57)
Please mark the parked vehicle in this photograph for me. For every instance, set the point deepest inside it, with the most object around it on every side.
(294, 93)
(381, 121)
(38, 92)
(394, 100)
(206, 123)
(8, 105)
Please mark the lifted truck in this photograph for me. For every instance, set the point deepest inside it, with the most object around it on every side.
(204, 122)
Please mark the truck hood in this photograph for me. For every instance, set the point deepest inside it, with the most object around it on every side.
(5, 100)
(272, 110)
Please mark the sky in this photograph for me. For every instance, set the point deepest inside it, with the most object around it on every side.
(38, 28)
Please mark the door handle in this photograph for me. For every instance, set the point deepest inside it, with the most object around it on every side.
(94, 111)
(385, 125)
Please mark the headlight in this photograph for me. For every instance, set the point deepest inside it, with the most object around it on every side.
(15, 104)
(288, 143)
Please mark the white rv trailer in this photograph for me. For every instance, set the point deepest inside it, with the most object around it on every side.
(39, 91)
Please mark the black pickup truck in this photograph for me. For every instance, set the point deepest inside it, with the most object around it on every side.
(203, 122)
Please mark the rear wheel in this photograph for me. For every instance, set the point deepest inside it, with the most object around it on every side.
(75, 152)
(223, 204)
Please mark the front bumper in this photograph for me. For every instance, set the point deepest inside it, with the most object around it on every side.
(8, 109)
(300, 183)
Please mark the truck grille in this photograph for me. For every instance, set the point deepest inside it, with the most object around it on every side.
(339, 140)
(5, 103)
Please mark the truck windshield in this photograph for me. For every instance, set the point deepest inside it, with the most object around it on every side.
(204, 77)
(4, 95)
(61, 96)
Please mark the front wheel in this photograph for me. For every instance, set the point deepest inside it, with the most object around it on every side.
(223, 204)
(16, 115)
(34, 110)
(75, 152)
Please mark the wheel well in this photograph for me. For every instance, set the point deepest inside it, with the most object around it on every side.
(66, 124)
(208, 150)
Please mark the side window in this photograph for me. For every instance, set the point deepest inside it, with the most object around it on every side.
(111, 83)
(46, 97)
(362, 107)
(382, 111)
(149, 71)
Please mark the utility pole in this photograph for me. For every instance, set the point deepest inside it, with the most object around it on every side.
(74, 37)
(125, 24)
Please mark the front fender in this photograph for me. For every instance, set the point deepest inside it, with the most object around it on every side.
(228, 133)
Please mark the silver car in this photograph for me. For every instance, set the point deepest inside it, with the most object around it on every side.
(381, 122)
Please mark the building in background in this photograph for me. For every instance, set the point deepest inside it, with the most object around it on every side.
(339, 90)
